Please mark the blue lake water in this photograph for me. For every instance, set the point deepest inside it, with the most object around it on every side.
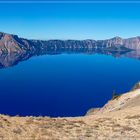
(64, 85)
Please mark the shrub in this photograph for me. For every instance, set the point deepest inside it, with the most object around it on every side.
(115, 95)
(136, 86)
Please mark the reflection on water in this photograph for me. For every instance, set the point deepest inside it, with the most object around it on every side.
(64, 85)
(7, 60)
(133, 54)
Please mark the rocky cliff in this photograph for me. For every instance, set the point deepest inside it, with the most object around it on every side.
(14, 49)
(12, 43)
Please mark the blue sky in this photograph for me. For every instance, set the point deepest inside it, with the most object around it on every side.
(70, 21)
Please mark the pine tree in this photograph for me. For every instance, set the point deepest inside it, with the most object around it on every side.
(114, 95)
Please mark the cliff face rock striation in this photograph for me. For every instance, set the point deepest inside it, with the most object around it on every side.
(14, 49)
(13, 43)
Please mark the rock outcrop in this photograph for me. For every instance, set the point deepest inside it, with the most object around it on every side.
(123, 101)
(13, 44)
(14, 49)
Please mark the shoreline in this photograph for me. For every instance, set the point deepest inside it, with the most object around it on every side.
(118, 119)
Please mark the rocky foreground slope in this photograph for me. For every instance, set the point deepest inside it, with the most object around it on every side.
(119, 119)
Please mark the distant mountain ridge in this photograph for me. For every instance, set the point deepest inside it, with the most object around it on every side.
(14, 49)
(12, 43)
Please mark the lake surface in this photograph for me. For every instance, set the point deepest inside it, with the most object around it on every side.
(65, 84)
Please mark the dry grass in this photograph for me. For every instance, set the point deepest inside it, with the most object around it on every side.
(114, 125)
(123, 123)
